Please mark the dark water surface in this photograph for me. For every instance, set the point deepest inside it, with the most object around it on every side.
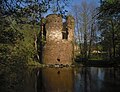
(83, 79)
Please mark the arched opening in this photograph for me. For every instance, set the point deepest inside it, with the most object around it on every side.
(65, 31)
(65, 35)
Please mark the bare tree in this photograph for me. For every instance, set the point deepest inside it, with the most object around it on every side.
(85, 25)
(76, 11)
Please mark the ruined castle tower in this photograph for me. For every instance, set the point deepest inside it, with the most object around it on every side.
(59, 40)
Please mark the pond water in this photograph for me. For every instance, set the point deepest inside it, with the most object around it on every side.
(82, 79)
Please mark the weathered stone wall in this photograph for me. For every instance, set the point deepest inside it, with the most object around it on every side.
(58, 50)
(70, 25)
(53, 27)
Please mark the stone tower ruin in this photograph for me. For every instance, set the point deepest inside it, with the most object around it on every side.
(59, 46)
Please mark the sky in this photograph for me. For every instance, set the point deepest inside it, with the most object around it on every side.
(79, 1)
(72, 2)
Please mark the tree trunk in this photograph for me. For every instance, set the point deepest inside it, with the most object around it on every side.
(91, 40)
(113, 39)
(85, 44)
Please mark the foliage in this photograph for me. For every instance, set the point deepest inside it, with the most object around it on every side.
(15, 53)
(109, 21)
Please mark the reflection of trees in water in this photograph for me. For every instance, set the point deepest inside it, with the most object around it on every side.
(91, 79)
(17, 79)
(82, 80)
(87, 79)
(112, 79)
(12, 79)
(40, 87)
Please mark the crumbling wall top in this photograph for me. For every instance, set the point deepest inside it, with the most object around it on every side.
(70, 22)
(54, 22)
(54, 18)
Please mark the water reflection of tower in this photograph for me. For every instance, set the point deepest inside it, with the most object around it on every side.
(57, 80)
